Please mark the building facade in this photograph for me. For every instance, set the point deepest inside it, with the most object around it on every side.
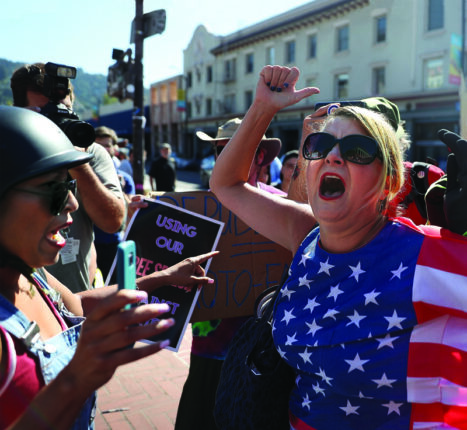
(167, 116)
(406, 50)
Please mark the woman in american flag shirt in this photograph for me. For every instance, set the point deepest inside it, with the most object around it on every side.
(373, 315)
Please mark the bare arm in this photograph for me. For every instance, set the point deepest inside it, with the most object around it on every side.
(260, 210)
(105, 209)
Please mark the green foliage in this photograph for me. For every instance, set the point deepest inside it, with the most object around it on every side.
(107, 100)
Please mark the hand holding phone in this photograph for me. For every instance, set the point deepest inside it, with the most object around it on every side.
(126, 267)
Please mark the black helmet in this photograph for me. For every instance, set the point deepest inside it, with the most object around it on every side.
(31, 145)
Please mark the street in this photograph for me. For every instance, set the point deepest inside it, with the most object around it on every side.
(188, 180)
(145, 394)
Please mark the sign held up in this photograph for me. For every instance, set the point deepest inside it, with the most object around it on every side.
(247, 264)
(165, 235)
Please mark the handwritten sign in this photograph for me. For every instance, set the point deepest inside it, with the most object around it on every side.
(248, 263)
(164, 235)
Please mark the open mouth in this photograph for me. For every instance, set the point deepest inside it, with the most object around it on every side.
(59, 237)
(331, 187)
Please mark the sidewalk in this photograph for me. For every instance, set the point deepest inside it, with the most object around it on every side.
(148, 391)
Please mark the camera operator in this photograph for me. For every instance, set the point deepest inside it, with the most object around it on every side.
(100, 196)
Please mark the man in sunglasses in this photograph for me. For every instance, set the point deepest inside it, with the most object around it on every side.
(100, 197)
(211, 339)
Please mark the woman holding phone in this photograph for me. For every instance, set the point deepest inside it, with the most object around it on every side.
(51, 362)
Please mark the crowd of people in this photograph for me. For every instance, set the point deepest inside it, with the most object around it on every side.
(366, 287)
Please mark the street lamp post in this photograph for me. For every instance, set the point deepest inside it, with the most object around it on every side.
(138, 118)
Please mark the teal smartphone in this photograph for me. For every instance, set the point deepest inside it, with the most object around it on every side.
(126, 266)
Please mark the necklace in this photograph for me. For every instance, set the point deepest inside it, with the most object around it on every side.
(31, 291)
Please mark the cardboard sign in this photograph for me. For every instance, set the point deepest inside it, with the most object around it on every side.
(165, 235)
(248, 263)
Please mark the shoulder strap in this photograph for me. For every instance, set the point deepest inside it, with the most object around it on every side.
(264, 303)
(7, 351)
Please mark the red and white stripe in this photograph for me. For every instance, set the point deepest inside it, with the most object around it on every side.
(437, 367)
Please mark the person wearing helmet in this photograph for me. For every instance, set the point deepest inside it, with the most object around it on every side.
(51, 361)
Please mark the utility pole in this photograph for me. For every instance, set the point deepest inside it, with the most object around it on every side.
(125, 81)
(138, 118)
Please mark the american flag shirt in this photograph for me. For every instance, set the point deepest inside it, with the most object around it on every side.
(377, 336)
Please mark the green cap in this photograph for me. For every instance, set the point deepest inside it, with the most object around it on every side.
(387, 108)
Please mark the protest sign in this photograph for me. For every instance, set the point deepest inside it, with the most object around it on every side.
(247, 264)
(165, 235)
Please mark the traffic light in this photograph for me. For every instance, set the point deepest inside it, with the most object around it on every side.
(121, 76)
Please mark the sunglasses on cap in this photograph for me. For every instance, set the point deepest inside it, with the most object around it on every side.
(57, 194)
(355, 148)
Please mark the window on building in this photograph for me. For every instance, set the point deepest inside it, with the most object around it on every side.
(341, 86)
(290, 51)
(230, 69)
(189, 80)
(312, 45)
(154, 95)
(229, 103)
(208, 107)
(342, 42)
(249, 63)
(379, 80)
(173, 91)
(270, 55)
(248, 99)
(433, 73)
(209, 74)
(380, 29)
(164, 98)
(435, 14)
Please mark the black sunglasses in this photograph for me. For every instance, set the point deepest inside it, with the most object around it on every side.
(355, 148)
(57, 194)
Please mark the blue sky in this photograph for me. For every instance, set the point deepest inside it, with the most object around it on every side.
(82, 33)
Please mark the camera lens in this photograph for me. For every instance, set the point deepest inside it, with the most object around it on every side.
(80, 133)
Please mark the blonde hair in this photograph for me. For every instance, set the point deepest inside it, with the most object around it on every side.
(377, 127)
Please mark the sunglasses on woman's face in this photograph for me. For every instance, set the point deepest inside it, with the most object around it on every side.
(355, 148)
(57, 194)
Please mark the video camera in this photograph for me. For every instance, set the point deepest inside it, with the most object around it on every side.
(57, 87)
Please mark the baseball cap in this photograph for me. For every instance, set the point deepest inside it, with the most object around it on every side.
(387, 108)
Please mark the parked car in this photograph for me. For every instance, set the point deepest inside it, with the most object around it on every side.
(186, 163)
